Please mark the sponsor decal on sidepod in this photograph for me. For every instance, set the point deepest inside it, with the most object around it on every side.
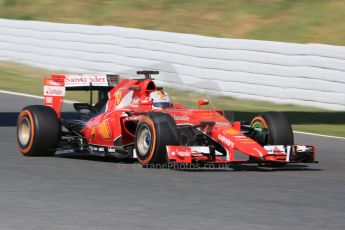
(226, 140)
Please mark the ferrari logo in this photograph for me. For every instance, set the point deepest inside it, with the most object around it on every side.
(117, 97)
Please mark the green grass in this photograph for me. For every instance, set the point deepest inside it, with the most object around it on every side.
(303, 21)
(19, 78)
(24, 79)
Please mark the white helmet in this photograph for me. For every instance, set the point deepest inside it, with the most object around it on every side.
(160, 99)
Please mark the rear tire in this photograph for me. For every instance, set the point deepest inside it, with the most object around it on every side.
(153, 134)
(38, 131)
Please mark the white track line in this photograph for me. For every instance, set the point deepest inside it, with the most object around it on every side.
(71, 102)
(319, 135)
(32, 96)
(21, 94)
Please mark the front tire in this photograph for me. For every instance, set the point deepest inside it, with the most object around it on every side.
(273, 129)
(153, 134)
(278, 127)
(38, 131)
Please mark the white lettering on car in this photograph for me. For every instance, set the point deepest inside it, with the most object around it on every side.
(85, 80)
(183, 154)
(226, 141)
(111, 150)
(54, 90)
(181, 118)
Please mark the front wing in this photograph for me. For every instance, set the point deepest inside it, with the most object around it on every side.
(275, 153)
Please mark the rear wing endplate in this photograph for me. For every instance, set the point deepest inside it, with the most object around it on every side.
(55, 87)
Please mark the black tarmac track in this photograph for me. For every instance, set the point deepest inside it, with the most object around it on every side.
(80, 192)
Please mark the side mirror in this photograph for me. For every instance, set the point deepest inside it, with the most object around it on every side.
(202, 102)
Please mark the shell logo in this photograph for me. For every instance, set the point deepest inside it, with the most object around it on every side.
(231, 131)
(104, 130)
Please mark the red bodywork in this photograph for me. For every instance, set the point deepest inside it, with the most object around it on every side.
(131, 96)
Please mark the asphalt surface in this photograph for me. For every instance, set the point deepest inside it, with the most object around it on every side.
(91, 193)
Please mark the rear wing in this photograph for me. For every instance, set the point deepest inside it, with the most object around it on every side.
(56, 86)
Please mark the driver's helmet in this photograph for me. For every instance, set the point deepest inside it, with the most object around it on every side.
(160, 99)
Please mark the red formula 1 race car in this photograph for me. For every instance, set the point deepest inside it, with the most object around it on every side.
(134, 118)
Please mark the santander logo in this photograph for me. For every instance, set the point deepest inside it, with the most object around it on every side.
(98, 79)
(84, 80)
(75, 79)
